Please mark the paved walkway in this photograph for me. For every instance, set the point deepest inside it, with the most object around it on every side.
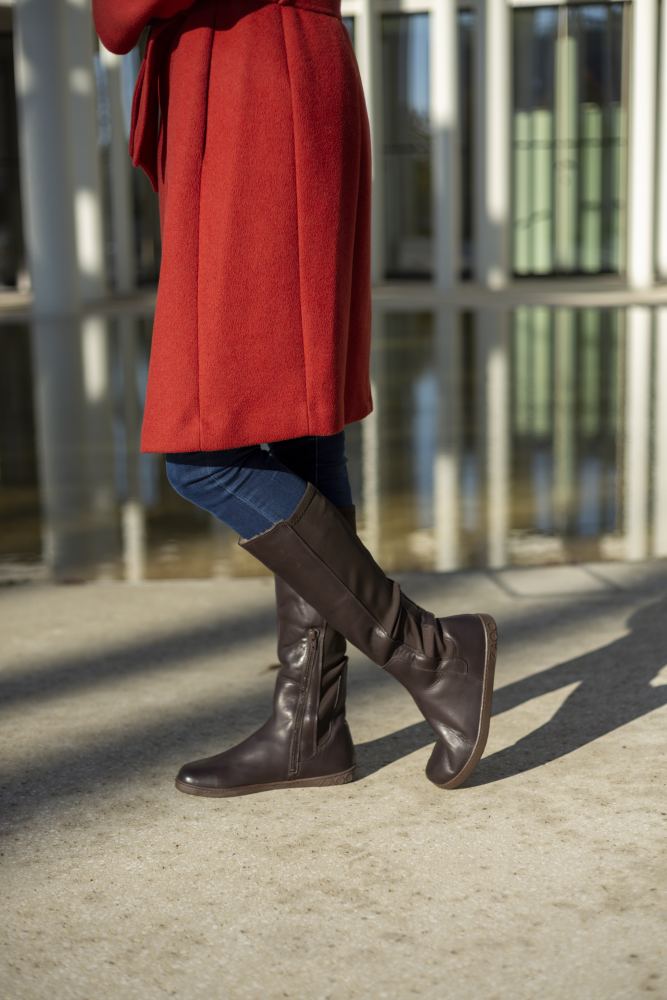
(544, 877)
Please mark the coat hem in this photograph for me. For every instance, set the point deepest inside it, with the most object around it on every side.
(226, 441)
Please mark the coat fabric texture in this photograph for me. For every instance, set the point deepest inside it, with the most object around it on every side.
(249, 119)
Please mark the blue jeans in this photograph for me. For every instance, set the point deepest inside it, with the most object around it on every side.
(251, 489)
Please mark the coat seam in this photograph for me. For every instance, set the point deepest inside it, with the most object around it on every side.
(201, 174)
(298, 229)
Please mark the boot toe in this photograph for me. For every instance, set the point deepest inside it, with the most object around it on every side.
(448, 761)
(199, 776)
(466, 700)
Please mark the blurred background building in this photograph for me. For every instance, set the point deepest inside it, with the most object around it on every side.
(520, 294)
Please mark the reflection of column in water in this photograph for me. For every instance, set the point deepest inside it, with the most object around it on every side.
(492, 338)
(564, 418)
(407, 348)
(371, 441)
(98, 446)
(133, 519)
(590, 480)
(543, 489)
(446, 486)
(636, 431)
(73, 421)
(542, 417)
(660, 415)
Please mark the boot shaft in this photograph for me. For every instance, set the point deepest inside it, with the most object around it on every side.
(310, 689)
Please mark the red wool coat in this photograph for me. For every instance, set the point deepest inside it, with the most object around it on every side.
(249, 119)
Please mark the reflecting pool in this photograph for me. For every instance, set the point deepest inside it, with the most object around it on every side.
(514, 436)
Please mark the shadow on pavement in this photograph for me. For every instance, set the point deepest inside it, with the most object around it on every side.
(614, 688)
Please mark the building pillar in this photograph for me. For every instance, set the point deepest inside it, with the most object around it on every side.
(493, 110)
(642, 144)
(45, 144)
(369, 57)
(62, 224)
(445, 156)
(661, 215)
(81, 108)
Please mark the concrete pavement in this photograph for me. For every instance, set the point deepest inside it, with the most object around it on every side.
(543, 877)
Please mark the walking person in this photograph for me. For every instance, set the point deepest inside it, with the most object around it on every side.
(249, 119)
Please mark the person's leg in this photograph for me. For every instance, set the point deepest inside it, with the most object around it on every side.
(247, 488)
(446, 663)
(306, 740)
(321, 460)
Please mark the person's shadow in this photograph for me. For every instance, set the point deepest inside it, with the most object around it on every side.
(614, 687)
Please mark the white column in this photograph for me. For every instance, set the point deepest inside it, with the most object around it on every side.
(661, 216)
(641, 143)
(60, 201)
(369, 58)
(85, 160)
(445, 159)
(45, 144)
(493, 66)
(120, 167)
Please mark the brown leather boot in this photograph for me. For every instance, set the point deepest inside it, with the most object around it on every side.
(306, 740)
(447, 664)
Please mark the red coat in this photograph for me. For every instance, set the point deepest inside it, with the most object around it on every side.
(260, 157)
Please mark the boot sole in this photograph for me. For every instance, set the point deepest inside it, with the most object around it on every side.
(491, 635)
(219, 793)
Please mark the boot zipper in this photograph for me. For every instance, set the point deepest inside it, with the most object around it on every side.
(313, 635)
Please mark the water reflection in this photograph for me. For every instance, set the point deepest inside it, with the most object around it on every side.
(499, 437)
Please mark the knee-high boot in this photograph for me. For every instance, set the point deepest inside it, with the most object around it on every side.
(306, 740)
(446, 663)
